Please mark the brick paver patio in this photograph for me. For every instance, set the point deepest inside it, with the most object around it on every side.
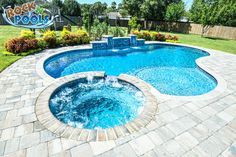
(183, 127)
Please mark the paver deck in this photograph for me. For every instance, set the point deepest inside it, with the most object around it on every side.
(183, 127)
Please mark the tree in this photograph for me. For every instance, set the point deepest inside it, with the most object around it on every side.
(88, 17)
(205, 12)
(153, 9)
(113, 6)
(175, 11)
(71, 8)
(5, 3)
(98, 8)
(123, 12)
(120, 6)
(196, 11)
(57, 3)
(212, 12)
(133, 7)
(227, 13)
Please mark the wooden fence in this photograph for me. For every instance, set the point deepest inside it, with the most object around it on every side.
(184, 27)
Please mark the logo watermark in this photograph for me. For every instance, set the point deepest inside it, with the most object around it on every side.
(28, 15)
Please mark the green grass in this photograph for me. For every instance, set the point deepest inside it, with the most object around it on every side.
(212, 43)
(8, 32)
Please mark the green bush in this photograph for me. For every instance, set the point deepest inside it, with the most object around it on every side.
(42, 44)
(82, 33)
(65, 32)
(19, 45)
(154, 36)
(27, 34)
(83, 36)
(133, 23)
(70, 38)
(117, 31)
(50, 38)
(99, 29)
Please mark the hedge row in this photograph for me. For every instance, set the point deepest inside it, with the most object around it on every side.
(27, 40)
(154, 36)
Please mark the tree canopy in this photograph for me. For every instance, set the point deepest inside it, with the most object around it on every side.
(174, 11)
(133, 7)
(214, 12)
(71, 8)
(148, 9)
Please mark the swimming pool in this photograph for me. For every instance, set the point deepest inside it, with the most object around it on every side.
(170, 69)
(93, 103)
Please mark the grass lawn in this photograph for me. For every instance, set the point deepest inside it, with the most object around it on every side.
(212, 43)
(7, 32)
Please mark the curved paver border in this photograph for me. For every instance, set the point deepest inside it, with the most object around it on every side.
(50, 122)
(221, 83)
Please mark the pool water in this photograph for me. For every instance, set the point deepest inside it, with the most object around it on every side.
(94, 103)
(170, 69)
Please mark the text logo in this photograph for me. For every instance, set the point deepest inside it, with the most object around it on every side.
(28, 15)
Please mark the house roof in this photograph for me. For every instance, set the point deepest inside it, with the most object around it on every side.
(114, 15)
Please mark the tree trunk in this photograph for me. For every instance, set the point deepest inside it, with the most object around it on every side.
(145, 24)
(202, 31)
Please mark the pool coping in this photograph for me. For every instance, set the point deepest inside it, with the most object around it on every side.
(47, 119)
(219, 89)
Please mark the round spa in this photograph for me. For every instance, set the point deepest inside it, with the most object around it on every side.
(92, 103)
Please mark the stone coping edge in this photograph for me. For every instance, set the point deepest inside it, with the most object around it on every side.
(47, 119)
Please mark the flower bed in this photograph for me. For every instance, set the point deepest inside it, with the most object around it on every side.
(155, 36)
(28, 42)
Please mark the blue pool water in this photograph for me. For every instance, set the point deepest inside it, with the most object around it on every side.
(170, 69)
(85, 103)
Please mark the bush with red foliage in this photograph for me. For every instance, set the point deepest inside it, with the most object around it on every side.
(170, 37)
(70, 39)
(160, 37)
(18, 45)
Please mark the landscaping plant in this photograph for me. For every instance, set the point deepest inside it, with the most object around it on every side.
(27, 34)
(50, 38)
(19, 45)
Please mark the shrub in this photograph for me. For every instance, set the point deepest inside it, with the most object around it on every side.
(133, 23)
(160, 37)
(27, 34)
(50, 38)
(82, 33)
(116, 31)
(18, 45)
(83, 36)
(143, 35)
(175, 38)
(168, 37)
(70, 39)
(65, 32)
(146, 35)
(99, 29)
(42, 44)
(153, 35)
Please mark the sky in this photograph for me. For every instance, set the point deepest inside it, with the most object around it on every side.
(188, 3)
